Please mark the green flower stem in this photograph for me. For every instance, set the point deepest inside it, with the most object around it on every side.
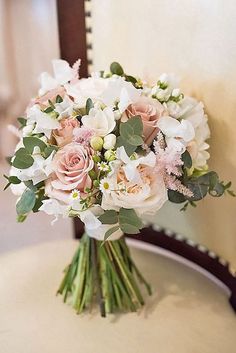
(105, 274)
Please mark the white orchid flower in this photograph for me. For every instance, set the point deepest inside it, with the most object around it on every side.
(45, 123)
(63, 73)
(65, 108)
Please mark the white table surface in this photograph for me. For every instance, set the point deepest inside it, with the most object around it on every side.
(186, 314)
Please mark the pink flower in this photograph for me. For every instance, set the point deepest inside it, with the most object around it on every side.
(71, 165)
(150, 111)
(52, 94)
(64, 134)
(83, 135)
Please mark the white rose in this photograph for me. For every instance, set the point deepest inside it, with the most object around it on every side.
(109, 142)
(102, 122)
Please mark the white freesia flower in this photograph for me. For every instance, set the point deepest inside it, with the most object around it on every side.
(167, 86)
(39, 171)
(121, 91)
(192, 111)
(65, 108)
(102, 122)
(44, 123)
(176, 132)
(53, 207)
(63, 73)
(94, 228)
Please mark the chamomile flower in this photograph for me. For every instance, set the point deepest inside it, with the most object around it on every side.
(105, 185)
(103, 167)
(75, 200)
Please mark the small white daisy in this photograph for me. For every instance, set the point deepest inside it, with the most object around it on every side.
(103, 166)
(105, 185)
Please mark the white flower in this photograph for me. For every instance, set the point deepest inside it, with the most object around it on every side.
(53, 207)
(45, 123)
(63, 73)
(91, 87)
(106, 185)
(65, 108)
(167, 85)
(109, 142)
(103, 166)
(75, 199)
(176, 132)
(121, 91)
(39, 171)
(102, 122)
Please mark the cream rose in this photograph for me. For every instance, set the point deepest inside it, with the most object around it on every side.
(102, 122)
(65, 133)
(150, 111)
(70, 165)
(134, 184)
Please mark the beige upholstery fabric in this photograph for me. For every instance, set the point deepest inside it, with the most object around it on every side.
(186, 314)
(194, 39)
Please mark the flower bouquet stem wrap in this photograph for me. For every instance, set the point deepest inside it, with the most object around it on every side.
(103, 273)
(109, 149)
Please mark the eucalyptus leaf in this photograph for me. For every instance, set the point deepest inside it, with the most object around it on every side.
(22, 121)
(26, 202)
(129, 216)
(48, 110)
(59, 99)
(176, 197)
(129, 228)
(109, 217)
(48, 150)
(31, 142)
(186, 158)
(23, 159)
(129, 149)
(116, 69)
(136, 123)
(135, 140)
(130, 79)
(110, 232)
(89, 105)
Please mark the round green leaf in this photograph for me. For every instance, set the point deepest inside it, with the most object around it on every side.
(116, 69)
(26, 202)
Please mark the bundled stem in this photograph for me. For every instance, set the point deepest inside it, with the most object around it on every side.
(105, 274)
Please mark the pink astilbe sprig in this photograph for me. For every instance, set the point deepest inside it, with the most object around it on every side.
(175, 184)
(75, 68)
(169, 164)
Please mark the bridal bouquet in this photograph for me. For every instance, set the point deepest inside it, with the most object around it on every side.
(109, 149)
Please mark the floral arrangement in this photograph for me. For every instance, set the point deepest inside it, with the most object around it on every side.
(109, 149)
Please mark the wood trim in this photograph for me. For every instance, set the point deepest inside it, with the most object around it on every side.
(72, 32)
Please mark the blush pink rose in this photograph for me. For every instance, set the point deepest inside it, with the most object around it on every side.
(150, 111)
(52, 94)
(64, 134)
(71, 165)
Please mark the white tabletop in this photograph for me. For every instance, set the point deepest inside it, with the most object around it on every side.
(187, 313)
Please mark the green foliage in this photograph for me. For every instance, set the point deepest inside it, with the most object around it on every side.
(186, 158)
(22, 159)
(31, 142)
(109, 217)
(129, 221)
(116, 69)
(89, 105)
(48, 150)
(11, 180)
(109, 233)
(175, 196)
(26, 202)
(131, 79)
(22, 121)
(59, 99)
(131, 134)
